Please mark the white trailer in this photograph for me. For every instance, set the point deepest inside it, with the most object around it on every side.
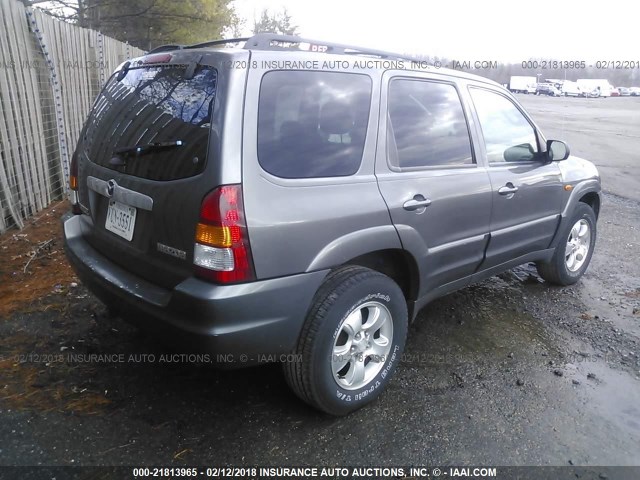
(522, 84)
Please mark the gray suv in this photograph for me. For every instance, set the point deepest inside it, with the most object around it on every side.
(300, 201)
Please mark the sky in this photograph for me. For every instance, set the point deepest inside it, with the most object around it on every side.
(493, 30)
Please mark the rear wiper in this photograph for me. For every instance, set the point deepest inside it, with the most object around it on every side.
(118, 155)
(149, 147)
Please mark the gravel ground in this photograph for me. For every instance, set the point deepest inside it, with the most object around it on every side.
(511, 371)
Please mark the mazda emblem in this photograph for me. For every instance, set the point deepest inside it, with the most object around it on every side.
(111, 187)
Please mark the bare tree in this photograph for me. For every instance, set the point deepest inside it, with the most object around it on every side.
(146, 23)
(280, 23)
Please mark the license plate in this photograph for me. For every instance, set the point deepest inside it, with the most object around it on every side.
(121, 219)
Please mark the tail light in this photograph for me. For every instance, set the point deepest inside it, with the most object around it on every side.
(73, 185)
(222, 253)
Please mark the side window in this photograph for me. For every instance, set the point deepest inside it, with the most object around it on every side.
(508, 135)
(427, 126)
(312, 124)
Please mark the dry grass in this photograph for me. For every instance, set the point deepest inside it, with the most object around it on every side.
(33, 268)
(28, 386)
(47, 273)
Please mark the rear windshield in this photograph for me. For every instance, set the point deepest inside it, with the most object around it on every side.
(312, 124)
(158, 110)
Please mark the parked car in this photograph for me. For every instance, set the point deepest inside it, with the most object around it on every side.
(634, 91)
(624, 92)
(615, 92)
(258, 210)
(548, 89)
(594, 93)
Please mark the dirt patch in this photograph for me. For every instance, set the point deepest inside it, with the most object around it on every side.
(43, 308)
(633, 293)
(37, 372)
(44, 388)
(32, 262)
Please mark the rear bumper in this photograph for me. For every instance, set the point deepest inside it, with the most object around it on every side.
(237, 323)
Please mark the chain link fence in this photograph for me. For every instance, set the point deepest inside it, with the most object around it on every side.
(50, 73)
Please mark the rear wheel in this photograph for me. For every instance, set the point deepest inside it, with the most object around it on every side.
(573, 253)
(351, 342)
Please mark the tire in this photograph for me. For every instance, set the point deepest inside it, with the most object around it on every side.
(336, 370)
(579, 236)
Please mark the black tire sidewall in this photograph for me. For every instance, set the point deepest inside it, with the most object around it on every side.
(332, 396)
(585, 212)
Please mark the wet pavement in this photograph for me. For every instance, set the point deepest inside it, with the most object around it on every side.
(511, 371)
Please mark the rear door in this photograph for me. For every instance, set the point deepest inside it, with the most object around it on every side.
(439, 198)
(148, 155)
(526, 189)
(308, 170)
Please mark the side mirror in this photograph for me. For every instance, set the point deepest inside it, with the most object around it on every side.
(519, 153)
(557, 150)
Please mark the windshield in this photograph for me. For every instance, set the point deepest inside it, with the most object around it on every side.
(153, 105)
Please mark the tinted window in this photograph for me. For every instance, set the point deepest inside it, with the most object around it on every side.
(153, 105)
(508, 135)
(427, 126)
(312, 124)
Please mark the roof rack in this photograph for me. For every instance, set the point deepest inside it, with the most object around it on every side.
(273, 41)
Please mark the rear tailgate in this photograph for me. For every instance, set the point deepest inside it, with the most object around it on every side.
(150, 151)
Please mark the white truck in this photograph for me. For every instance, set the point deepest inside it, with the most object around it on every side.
(570, 89)
(522, 84)
(595, 87)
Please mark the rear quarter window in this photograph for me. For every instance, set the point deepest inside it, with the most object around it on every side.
(312, 124)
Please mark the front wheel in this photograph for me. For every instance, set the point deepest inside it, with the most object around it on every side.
(351, 342)
(574, 251)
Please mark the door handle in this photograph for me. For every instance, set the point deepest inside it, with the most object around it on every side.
(418, 202)
(508, 189)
